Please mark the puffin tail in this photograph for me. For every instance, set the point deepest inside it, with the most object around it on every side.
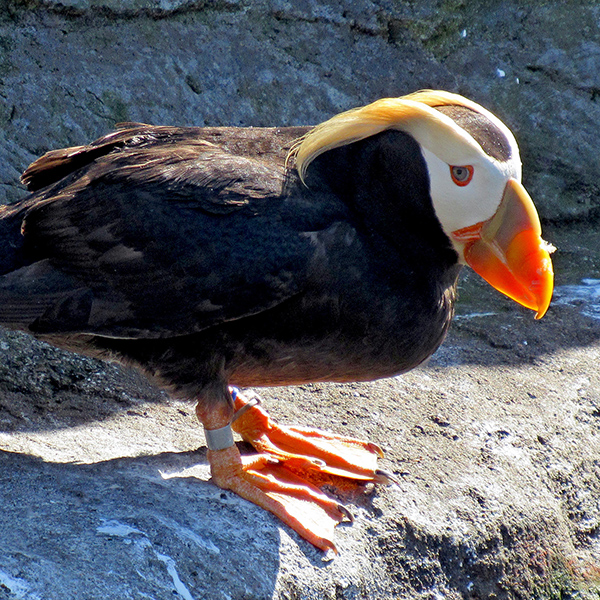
(12, 256)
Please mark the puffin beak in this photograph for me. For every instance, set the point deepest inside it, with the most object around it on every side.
(508, 252)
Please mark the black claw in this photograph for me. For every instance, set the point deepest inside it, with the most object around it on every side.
(382, 476)
(346, 512)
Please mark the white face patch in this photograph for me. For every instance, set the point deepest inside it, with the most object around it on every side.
(445, 144)
(460, 206)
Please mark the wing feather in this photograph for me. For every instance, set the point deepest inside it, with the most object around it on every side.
(155, 232)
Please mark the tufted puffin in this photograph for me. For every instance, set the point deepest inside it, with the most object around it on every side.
(212, 258)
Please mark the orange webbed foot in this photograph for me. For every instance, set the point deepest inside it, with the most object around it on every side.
(307, 449)
(264, 482)
(291, 463)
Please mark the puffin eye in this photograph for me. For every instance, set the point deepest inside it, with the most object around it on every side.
(461, 175)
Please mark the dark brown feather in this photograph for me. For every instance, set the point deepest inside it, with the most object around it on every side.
(197, 255)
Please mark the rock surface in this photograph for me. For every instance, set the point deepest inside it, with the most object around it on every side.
(496, 445)
(71, 69)
(104, 488)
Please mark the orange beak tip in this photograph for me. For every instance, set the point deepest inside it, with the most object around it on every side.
(546, 287)
(508, 252)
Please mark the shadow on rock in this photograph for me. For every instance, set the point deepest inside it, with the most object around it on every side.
(129, 528)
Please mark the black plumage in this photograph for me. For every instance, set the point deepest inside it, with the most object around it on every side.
(212, 257)
(197, 255)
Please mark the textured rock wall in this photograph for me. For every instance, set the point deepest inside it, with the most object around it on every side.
(496, 443)
(70, 70)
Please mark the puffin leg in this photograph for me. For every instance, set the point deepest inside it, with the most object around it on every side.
(269, 485)
(261, 479)
(311, 453)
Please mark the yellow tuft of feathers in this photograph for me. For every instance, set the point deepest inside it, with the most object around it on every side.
(414, 114)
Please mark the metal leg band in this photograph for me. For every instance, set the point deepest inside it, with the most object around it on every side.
(219, 439)
(254, 400)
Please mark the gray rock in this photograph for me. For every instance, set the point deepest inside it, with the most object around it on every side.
(103, 479)
(70, 70)
(104, 484)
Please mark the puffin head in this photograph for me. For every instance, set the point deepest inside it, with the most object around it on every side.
(475, 184)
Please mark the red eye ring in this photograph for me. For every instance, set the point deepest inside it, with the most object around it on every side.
(461, 175)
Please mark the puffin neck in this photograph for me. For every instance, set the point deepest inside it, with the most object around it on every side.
(385, 182)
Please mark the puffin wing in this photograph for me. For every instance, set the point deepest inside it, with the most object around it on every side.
(156, 232)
